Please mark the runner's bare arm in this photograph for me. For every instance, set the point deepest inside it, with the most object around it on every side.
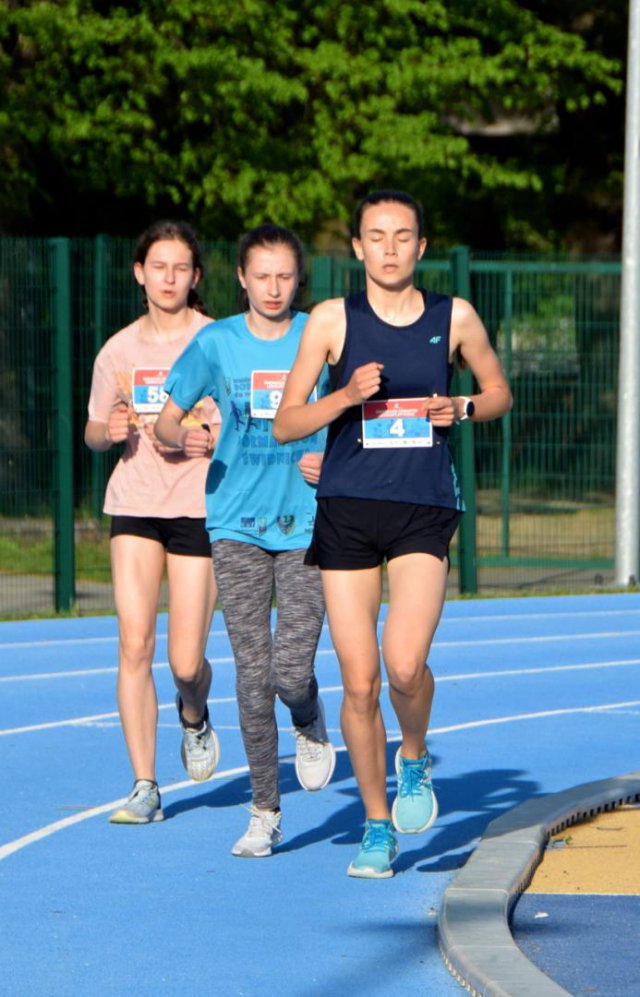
(321, 342)
(194, 441)
(469, 335)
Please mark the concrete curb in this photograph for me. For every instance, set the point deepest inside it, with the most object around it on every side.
(473, 924)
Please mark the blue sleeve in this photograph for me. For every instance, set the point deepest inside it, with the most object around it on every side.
(193, 375)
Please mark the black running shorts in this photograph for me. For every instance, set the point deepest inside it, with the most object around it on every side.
(180, 535)
(352, 533)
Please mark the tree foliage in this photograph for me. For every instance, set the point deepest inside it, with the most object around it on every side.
(232, 113)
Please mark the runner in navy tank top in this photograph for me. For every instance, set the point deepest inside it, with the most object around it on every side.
(388, 492)
(416, 365)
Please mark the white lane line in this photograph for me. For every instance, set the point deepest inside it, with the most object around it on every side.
(513, 672)
(59, 825)
(112, 670)
(470, 724)
(446, 619)
(545, 639)
(437, 644)
(79, 673)
(585, 666)
(83, 672)
(74, 641)
(461, 677)
(44, 832)
(89, 720)
(567, 614)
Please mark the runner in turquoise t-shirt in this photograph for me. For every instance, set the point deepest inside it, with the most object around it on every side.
(255, 492)
(260, 513)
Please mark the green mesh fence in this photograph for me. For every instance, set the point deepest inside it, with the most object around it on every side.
(544, 474)
(26, 457)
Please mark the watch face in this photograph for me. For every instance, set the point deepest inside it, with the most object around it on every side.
(469, 408)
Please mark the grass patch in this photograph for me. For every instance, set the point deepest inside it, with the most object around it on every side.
(26, 555)
(23, 557)
(572, 531)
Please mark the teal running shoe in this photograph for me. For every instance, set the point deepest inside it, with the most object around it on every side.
(377, 851)
(415, 808)
(142, 807)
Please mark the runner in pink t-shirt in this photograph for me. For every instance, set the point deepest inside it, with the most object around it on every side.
(156, 499)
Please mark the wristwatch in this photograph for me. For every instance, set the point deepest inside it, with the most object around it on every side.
(468, 408)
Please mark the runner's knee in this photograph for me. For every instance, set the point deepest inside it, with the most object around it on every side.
(188, 669)
(407, 677)
(136, 653)
(362, 697)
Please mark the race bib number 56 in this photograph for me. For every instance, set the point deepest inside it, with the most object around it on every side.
(396, 422)
(148, 395)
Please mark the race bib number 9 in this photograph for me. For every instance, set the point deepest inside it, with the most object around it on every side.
(148, 395)
(266, 391)
(396, 422)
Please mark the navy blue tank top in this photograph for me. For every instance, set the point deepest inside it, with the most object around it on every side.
(377, 458)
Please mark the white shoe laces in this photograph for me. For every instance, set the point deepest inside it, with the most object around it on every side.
(262, 823)
(309, 749)
(196, 740)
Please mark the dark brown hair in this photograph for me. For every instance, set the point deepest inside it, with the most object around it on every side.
(168, 230)
(382, 197)
(265, 236)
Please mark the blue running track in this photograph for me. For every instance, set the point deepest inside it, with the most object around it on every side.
(533, 696)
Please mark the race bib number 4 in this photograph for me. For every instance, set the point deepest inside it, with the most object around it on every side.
(396, 422)
(266, 391)
(148, 395)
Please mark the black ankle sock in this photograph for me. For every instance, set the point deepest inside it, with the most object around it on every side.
(194, 726)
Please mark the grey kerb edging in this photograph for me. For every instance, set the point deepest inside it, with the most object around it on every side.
(473, 925)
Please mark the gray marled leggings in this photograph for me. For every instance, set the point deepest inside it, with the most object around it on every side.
(268, 665)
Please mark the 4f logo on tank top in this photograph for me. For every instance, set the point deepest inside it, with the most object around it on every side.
(396, 422)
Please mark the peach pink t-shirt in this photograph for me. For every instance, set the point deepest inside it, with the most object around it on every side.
(146, 481)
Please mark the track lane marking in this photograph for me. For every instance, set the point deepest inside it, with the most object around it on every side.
(11, 847)
(88, 720)
(325, 652)
(113, 669)
(462, 677)
(454, 620)
(59, 825)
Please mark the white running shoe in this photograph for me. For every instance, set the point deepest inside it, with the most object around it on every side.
(261, 835)
(200, 749)
(315, 754)
(142, 807)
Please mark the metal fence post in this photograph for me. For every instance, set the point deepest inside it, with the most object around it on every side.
(505, 475)
(460, 260)
(63, 428)
(627, 542)
(98, 476)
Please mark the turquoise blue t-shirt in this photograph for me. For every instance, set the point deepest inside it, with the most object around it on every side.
(255, 492)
